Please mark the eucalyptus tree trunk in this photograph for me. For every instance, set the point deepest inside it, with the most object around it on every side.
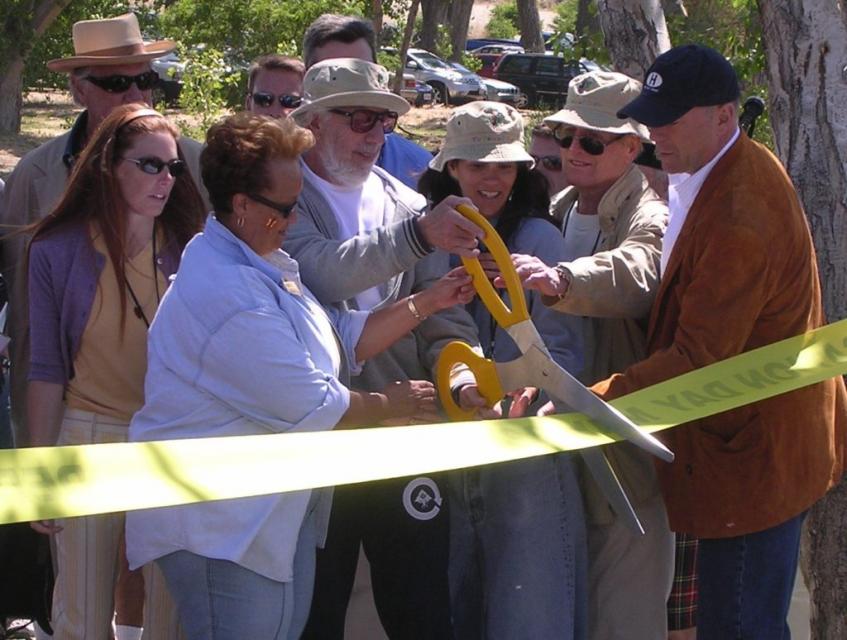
(460, 19)
(635, 33)
(22, 22)
(404, 46)
(530, 24)
(808, 106)
(433, 15)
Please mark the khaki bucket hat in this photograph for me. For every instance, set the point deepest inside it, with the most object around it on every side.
(483, 132)
(110, 41)
(346, 82)
(594, 100)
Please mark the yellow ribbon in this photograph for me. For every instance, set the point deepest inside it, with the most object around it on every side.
(56, 482)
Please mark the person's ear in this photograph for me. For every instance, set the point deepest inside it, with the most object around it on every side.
(239, 204)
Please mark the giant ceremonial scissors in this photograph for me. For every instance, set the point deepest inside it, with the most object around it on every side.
(536, 368)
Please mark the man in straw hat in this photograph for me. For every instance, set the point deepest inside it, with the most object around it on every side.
(738, 272)
(613, 225)
(110, 67)
(363, 241)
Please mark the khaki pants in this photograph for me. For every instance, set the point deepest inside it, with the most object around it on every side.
(88, 562)
(630, 577)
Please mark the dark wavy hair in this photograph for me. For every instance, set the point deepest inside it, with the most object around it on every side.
(238, 149)
(93, 193)
(529, 198)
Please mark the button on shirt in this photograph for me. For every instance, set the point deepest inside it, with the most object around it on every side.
(682, 191)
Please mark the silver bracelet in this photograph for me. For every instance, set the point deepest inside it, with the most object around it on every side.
(413, 308)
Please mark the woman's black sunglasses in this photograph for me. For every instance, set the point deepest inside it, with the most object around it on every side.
(284, 210)
(592, 145)
(154, 166)
(363, 120)
(286, 101)
(120, 84)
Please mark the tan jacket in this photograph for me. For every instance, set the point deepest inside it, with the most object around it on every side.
(32, 190)
(742, 275)
(615, 289)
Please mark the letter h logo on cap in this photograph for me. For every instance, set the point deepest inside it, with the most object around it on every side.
(653, 81)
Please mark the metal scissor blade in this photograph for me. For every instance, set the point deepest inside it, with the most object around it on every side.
(563, 387)
(609, 484)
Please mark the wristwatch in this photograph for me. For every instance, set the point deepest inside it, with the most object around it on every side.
(565, 277)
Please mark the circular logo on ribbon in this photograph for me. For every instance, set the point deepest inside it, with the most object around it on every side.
(422, 499)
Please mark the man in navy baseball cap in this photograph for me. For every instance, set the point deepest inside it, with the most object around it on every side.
(680, 79)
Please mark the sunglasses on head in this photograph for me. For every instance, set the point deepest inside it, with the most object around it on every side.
(592, 145)
(265, 100)
(154, 165)
(120, 84)
(283, 209)
(363, 120)
(551, 163)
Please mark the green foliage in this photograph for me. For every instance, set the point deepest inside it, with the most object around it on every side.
(504, 21)
(470, 62)
(207, 82)
(587, 45)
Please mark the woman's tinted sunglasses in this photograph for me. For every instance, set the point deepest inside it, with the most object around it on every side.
(154, 166)
(283, 209)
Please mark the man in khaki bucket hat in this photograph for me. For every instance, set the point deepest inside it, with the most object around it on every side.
(110, 67)
(613, 225)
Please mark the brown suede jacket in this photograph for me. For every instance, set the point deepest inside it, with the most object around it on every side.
(742, 275)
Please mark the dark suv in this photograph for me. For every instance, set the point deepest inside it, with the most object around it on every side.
(541, 78)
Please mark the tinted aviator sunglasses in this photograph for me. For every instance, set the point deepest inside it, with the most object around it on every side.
(120, 84)
(265, 100)
(551, 163)
(363, 120)
(284, 210)
(154, 165)
(592, 145)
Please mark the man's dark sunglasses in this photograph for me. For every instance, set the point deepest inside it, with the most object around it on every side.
(121, 84)
(551, 163)
(154, 166)
(363, 120)
(592, 145)
(284, 210)
(265, 100)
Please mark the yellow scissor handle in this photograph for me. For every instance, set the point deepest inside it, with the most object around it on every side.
(504, 316)
(483, 369)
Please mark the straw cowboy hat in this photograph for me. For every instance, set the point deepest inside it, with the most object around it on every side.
(483, 132)
(346, 82)
(111, 41)
(594, 100)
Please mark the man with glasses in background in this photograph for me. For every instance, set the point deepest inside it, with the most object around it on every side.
(544, 149)
(274, 85)
(363, 241)
(613, 225)
(110, 67)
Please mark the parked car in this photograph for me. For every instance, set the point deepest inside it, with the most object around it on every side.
(541, 77)
(170, 69)
(497, 49)
(447, 83)
(417, 93)
(495, 90)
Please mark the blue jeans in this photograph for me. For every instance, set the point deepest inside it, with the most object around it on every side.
(219, 599)
(745, 584)
(518, 553)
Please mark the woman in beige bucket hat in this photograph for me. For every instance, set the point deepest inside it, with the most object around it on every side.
(517, 533)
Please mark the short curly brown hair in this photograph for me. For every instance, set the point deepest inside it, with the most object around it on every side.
(238, 150)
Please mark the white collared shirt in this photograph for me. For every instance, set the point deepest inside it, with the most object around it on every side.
(682, 191)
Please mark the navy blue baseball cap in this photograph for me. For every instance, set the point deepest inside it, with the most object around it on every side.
(680, 79)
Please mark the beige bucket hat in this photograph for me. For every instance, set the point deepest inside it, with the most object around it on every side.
(346, 82)
(483, 132)
(594, 100)
(110, 41)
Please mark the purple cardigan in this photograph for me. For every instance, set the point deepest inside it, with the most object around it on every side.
(64, 270)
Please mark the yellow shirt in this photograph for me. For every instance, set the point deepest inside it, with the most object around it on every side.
(109, 368)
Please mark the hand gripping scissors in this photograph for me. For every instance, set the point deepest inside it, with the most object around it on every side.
(537, 368)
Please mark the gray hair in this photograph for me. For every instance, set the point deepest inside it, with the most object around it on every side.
(333, 27)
